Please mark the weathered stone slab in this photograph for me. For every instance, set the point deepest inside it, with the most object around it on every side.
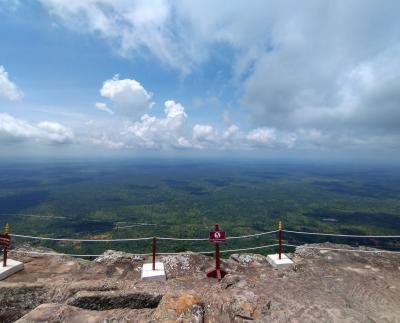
(158, 274)
(12, 267)
(283, 263)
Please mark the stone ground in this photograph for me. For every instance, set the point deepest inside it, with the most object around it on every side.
(322, 286)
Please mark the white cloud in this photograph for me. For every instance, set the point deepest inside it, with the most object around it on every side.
(205, 134)
(230, 133)
(292, 56)
(12, 129)
(262, 135)
(104, 140)
(178, 33)
(8, 89)
(55, 132)
(130, 26)
(329, 69)
(129, 98)
(103, 107)
(315, 74)
(233, 138)
(153, 132)
(16, 130)
(183, 143)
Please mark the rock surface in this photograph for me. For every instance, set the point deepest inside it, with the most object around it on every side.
(322, 286)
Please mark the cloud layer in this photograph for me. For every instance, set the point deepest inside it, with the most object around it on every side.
(8, 89)
(314, 75)
(13, 130)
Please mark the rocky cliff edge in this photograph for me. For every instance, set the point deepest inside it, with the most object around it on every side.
(321, 286)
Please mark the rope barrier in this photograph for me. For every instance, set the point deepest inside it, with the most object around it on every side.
(136, 239)
(51, 253)
(183, 252)
(80, 240)
(338, 249)
(140, 254)
(211, 252)
(182, 239)
(206, 239)
(339, 235)
(252, 248)
(252, 235)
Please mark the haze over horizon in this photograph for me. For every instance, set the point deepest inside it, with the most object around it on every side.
(296, 80)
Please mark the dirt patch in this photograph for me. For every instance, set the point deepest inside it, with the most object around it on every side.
(17, 299)
(108, 301)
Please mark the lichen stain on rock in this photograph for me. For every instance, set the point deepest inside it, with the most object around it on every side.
(181, 303)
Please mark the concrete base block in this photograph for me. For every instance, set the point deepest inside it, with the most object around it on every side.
(149, 274)
(12, 267)
(282, 263)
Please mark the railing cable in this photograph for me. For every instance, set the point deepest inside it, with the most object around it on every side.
(140, 254)
(252, 235)
(79, 240)
(136, 239)
(339, 235)
(339, 249)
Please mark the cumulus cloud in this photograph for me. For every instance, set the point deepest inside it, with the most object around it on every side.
(17, 130)
(207, 136)
(153, 132)
(183, 143)
(105, 141)
(333, 68)
(8, 89)
(12, 129)
(262, 135)
(233, 138)
(315, 74)
(55, 132)
(205, 133)
(128, 97)
(103, 107)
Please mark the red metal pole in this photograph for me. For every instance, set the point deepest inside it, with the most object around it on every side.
(217, 260)
(280, 239)
(6, 235)
(5, 256)
(217, 272)
(154, 253)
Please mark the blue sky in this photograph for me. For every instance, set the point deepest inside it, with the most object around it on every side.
(199, 77)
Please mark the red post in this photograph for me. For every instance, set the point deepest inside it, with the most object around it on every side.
(154, 253)
(5, 239)
(280, 239)
(217, 260)
(5, 251)
(217, 272)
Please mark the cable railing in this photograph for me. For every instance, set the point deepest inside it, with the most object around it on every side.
(340, 235)
(141, 254)
(137, 239)
(280, 244)
(341, 249)
(79, 240)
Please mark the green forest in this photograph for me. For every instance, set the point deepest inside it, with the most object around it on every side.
(185, 198)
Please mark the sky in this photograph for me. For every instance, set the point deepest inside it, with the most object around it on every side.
(197, 78)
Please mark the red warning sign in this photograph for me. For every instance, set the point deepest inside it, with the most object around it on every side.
(217, 236)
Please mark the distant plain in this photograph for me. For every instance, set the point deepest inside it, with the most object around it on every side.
(181, 198)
